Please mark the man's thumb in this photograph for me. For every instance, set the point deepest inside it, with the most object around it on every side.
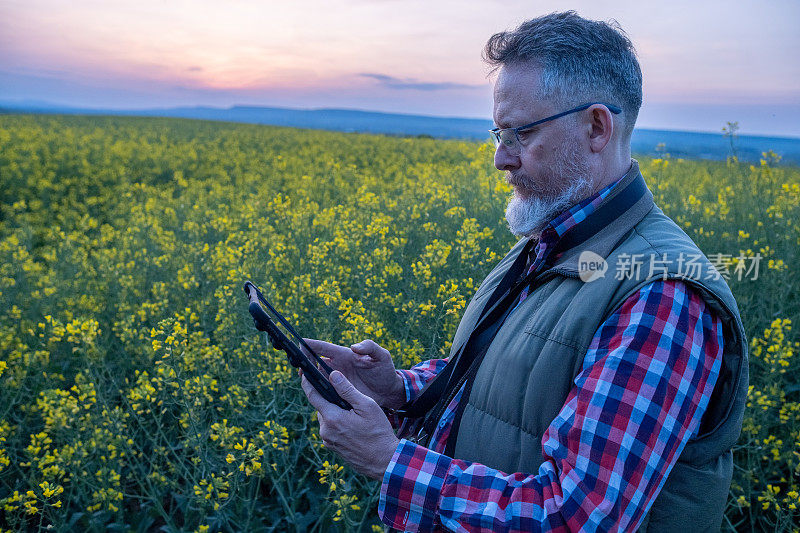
(345, 389)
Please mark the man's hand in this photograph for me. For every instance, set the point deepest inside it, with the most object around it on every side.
(362, 436)
(368, 366)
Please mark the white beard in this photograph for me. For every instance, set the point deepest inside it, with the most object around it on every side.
(529, 216)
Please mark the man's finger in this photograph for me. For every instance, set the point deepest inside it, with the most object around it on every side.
(329, 350)
(371, 348)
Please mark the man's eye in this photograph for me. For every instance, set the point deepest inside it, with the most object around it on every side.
(524, 135)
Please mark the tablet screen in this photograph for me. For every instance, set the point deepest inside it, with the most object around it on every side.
(283, 326)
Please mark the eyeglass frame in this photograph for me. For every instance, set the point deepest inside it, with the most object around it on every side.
(496, 131)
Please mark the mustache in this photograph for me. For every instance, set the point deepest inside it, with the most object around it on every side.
(523, 180)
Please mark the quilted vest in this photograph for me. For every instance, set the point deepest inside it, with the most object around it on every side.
(532, 363)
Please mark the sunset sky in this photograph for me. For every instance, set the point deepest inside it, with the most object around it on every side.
(704, 62)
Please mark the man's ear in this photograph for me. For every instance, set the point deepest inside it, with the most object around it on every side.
(601, 124)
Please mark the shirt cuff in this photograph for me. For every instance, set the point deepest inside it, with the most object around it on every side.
(408, 379)
(395, 420)
(411, 487)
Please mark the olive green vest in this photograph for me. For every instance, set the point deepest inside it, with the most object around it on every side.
(531, 364)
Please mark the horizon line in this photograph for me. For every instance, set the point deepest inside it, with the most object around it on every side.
(49, 107)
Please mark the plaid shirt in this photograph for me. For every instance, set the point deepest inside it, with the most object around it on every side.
(645, 383)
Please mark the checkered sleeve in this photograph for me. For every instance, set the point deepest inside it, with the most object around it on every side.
(645, 383)
(414, 379)
(419, 375)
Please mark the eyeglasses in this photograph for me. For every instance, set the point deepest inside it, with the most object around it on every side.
(509, 137)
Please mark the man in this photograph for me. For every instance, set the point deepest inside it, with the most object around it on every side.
(569, 402)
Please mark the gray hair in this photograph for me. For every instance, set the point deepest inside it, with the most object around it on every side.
(581, 59)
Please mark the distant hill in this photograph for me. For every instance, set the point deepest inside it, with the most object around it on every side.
(690, 145)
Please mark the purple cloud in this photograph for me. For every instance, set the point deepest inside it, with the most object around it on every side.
(405, 83)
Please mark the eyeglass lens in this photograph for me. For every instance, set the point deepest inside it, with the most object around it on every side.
(508, 139)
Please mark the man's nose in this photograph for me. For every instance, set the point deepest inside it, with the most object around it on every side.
(503, 160)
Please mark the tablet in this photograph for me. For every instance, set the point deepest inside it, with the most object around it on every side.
(284, 337)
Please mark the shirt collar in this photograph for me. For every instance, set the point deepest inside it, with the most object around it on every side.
(566, 220)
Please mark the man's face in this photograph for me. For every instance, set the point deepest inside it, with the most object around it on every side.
(551, 171)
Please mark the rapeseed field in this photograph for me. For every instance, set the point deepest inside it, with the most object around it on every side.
(135, 393)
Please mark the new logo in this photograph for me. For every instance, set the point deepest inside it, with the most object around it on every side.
(591, 266)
